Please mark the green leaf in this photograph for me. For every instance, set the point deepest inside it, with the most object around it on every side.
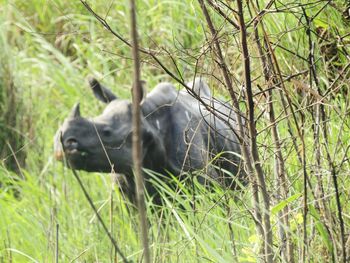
(320, 23)
(283, 203)
(321, 229)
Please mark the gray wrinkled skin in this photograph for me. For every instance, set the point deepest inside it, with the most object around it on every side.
(178, 135)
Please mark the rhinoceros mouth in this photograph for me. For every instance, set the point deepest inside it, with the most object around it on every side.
(75, 155)
(59, 155)
(78, 159)
(83, 160)
(76, 152)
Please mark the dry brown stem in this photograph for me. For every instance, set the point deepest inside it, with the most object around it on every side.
(136, 133)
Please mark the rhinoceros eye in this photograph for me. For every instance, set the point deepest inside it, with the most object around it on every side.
(107, 132)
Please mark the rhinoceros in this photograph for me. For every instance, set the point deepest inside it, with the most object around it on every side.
(178, 134)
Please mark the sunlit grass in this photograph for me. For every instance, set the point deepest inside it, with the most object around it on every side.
(49, 71)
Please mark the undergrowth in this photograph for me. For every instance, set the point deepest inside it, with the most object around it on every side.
(48, 48)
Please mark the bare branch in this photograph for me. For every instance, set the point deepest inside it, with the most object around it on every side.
(136, 134)
(91, 203)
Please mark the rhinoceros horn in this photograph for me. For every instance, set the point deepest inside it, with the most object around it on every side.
(75, 111)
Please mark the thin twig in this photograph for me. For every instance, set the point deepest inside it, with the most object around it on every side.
(318, 111)
(222, 13)
(268, 242)
(92, 205)
(280, 172)
(57, 244)
(136, 134)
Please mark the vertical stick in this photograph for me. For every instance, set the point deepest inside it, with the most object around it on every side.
(280, 173)
(57, 245)
(268, 242)
(136, 135)
(111, 228)
(240, 132)
(321, 119)
(8, 245)
(91, 203)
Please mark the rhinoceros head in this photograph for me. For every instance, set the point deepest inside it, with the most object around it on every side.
(100, 143)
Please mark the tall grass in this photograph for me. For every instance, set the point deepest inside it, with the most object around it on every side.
(47, 48)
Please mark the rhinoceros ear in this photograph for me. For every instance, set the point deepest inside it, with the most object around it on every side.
(101, 93)
(75, 112)
(143, 91)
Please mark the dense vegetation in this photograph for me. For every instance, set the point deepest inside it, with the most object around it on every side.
(48, 48)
